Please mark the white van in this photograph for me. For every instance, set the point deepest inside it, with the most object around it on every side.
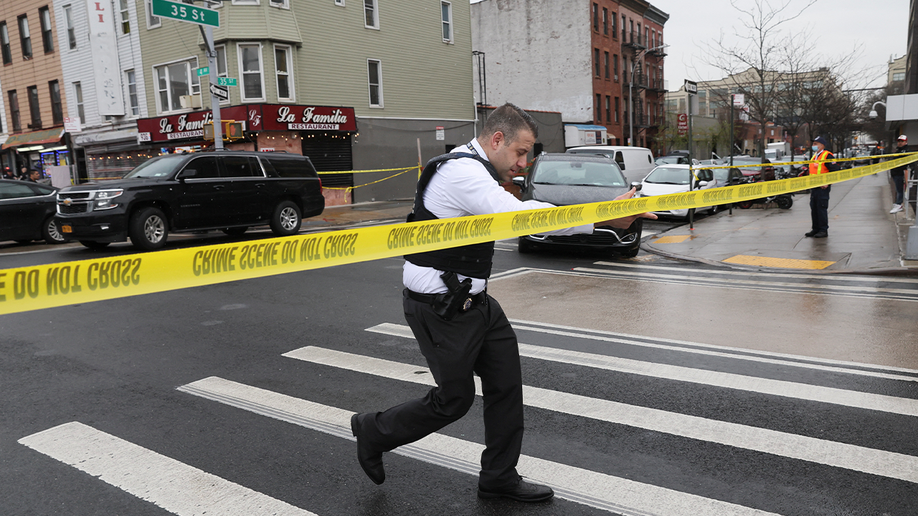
(635, 162)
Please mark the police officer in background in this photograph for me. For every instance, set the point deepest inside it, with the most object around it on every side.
(460, 329)
(819, 196)
(897, 175)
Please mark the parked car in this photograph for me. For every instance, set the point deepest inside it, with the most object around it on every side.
(634, 162)
(565, 179)
(229, 191)
(753, 168)
(27, 212)
(670, 179)
(674, 160)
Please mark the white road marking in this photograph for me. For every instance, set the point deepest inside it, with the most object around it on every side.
(819, 451)
(579, 485)
(855, 399)
(160, 480)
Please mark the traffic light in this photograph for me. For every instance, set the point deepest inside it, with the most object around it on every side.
(232, 130)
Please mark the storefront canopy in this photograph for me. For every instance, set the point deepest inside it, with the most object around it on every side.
(34, 138)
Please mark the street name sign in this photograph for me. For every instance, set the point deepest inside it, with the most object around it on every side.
(204, 70)
(186, 13)
(226, 81)
(219, 91)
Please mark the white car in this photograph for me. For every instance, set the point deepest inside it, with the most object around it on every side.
(670, 179)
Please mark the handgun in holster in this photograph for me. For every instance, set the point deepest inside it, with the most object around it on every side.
(448, 304)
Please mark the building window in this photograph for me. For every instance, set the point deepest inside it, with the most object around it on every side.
(125, 16)
(605, 63)
(252, 76)
(47, 41)
(339, 2)
(616, 110)
(132, 92)
(245, 2)
(279, 3)
(612, 19)
(608, 109)
(68, 22)
(25, 39)
(596, 61)
(446, 17)
(615, 67)
(78, 95)
(57, 110)
(34, 108)
(283, 62)
(5, 42)
(605, 21)
(595, 17)
(624, 24)
(371, 13)
(14, 110)
(173, 81)
(152, 21)
(898, 76)
(598, 108)
(221, 65)
(374, 77)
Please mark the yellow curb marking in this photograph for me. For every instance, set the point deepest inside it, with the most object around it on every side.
(672, 239)
(784, 263)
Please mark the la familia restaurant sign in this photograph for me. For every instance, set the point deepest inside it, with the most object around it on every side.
(258, 117)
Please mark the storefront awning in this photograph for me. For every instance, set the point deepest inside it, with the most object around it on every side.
(34, 138)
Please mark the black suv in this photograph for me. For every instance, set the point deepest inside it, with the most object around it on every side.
(228, 190)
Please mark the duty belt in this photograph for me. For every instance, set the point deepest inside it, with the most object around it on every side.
(432, 299)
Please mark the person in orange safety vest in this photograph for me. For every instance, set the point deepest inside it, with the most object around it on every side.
(819, 196)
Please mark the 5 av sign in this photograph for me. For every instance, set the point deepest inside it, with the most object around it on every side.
(186, 13)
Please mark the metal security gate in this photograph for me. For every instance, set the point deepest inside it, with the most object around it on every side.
(330, 152)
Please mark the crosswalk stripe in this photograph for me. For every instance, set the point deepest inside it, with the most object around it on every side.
(831, 395)
(587, 487)
(830, 453)
(165, 482)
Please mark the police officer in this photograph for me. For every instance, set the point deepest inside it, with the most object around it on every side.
(898, 175)
(819, 196)
(460, 329)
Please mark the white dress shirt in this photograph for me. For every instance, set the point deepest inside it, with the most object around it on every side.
(461, 188)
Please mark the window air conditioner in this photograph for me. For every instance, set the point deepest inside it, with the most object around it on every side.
(190, 101)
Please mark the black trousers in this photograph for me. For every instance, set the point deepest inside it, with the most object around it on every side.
(819, 208)
(479, 341)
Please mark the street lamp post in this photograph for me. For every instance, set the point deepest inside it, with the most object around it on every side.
(630, 94)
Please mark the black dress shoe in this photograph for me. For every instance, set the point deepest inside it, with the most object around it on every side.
(370, 460)
(821, 234)
(522, 492)
(810, 233)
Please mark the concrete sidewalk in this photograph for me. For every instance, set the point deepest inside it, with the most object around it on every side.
(863, 236)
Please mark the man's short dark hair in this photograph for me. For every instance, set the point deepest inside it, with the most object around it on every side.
(509, 119)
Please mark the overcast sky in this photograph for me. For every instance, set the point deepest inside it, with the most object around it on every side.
(878, 28)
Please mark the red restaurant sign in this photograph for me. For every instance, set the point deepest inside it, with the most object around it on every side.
(258, 117)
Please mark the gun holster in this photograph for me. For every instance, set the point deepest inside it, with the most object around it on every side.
(447, 305)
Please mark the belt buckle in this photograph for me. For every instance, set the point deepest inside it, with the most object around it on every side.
(467, 304)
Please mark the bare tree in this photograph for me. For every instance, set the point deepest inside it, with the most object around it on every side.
(754, 66)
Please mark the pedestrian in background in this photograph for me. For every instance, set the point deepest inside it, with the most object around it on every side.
(819, 196)
(8, 173)
(460, 329)
(898, 175)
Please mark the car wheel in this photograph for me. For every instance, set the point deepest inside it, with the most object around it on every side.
(50, 232)
(286, 219)
(525, 246)
(148, 229)
(784, 202)
(631, 252)
(745, 205)
(92, 244)
(235, 231)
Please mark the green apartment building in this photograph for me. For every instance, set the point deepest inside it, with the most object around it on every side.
(353, 84)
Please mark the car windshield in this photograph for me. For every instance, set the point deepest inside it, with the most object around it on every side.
(156, 167)
(668, 176)
(671, 160)
(721, 174)
(582, 173)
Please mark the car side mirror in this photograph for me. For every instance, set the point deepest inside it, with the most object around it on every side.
(637, 186)
(701, 184)
(519, 181)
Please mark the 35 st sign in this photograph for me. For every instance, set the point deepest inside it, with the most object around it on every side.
(185, 12)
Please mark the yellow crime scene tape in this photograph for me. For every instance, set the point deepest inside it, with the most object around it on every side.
(59, 284)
